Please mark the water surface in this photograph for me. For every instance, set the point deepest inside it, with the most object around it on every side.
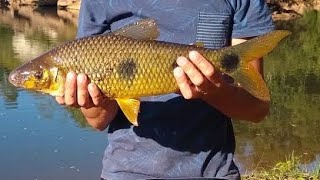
(38, 138)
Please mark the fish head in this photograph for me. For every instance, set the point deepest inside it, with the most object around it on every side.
(39, 74)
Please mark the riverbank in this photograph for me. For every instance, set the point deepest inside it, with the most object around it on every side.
(281, 9)
(291, 9)
(62, 4)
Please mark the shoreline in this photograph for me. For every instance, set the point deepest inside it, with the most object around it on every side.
(289, 11)
(281, 11)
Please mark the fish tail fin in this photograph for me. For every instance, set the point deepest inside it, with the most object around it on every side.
(260, 46)
(246, 76)
(250, 80)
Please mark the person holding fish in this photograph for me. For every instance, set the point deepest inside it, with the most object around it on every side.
(133, 61)
(183, 135)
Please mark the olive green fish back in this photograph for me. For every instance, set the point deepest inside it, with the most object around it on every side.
(123, 67)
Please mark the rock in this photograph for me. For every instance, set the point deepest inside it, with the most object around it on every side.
(287, 10)
(69, 4)
(23, 2)
(69, 15)
(34, 2)
(285, 16)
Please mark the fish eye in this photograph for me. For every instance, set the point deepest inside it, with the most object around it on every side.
(38, 74)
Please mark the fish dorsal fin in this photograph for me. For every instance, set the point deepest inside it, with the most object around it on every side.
(250, 80)
(258, 47)
(144, 29)
(130, 108)
(199, 44)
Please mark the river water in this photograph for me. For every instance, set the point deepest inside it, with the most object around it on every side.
(42, 140)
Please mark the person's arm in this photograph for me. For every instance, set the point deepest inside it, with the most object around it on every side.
(98, 110)
(198, 79)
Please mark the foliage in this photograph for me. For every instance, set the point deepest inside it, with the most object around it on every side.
(7, 91)
(289, 169)
(292, 72)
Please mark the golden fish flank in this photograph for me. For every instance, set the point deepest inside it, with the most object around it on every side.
(128, 64)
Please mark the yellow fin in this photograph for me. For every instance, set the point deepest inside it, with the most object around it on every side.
(143, 29)
(244, 74)
(258, 47)
(250, 80)
(130, 108)
(250, 50)
(57, 84)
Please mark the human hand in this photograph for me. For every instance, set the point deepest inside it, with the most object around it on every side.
(79, 92)
(196, 78)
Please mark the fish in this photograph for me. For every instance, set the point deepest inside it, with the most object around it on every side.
(130, 63)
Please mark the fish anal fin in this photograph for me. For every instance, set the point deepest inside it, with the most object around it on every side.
(130, 108)
(145, 29)
(250, 80)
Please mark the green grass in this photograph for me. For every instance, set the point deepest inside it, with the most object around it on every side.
(290, 169)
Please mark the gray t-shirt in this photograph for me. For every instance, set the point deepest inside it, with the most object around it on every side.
(176, 138)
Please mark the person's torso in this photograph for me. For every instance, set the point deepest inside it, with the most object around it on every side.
(175, 137)
(184, 22)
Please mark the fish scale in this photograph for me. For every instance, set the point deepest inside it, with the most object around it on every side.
(154, 66)
(129, 64)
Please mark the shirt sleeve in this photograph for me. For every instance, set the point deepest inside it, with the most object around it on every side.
(93, 18)
(251, 18)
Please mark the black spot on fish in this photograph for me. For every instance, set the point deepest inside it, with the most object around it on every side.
(127, 69)
(230, 62)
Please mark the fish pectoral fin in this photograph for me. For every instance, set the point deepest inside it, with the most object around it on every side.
(57, 85)
(145, 29)
(250, 80)
(130, 108)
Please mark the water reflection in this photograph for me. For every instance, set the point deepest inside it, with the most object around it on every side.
(7, 63)
(7, 91)
(49, 138)
(293, 75)
(38, 138)
(36, 30)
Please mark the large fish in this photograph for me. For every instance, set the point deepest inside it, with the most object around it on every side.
(128, 64)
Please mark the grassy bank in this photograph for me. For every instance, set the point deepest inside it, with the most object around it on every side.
(290, 169)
